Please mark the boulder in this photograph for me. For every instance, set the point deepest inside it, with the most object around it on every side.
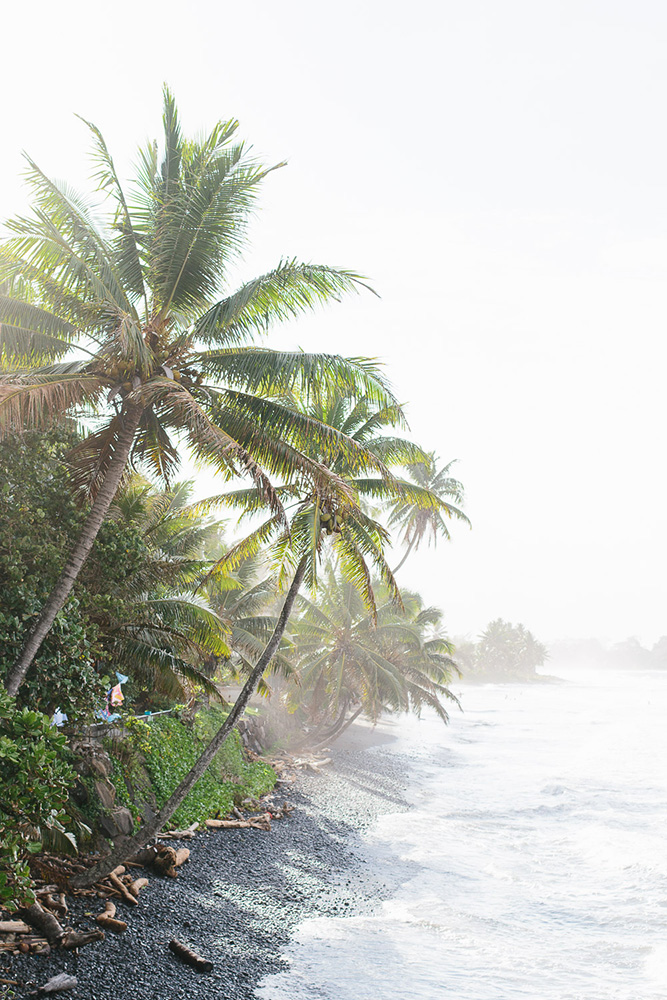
(100, 765)
(106, 793)
(124, 820)
(117, 823)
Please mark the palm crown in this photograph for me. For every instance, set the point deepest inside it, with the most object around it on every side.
(130, 322)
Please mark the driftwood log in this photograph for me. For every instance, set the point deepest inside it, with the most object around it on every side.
(262, 822)
(108, 920)
(56, 935)
(44, 922)
(165, 860)
(186, 834)
(14, 927)
(137, 885)
(121, 888)
(189, 956)
(55, 903)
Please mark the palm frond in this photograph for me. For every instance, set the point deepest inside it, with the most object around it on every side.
(288, 291)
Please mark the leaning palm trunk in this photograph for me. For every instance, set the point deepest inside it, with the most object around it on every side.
(129, 846)
(81, 550)
(337, 730)
(405, 555)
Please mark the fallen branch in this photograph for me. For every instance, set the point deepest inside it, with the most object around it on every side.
(55, 903)
(136, 886)
(44, 922)
(122, 889)
(182, 856)
(77, 939)
(227, 824)
(187, 834)
(191, 957)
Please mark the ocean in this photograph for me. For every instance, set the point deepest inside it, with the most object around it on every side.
(537, 850)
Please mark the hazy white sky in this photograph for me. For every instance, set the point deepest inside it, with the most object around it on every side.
(498, 168)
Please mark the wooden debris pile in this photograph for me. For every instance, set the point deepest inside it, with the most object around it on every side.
(42, 926)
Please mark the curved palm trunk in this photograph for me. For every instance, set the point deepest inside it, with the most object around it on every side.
(80, 552)
(337, 730)
(321, 733)
(405, 556)
(128, 847)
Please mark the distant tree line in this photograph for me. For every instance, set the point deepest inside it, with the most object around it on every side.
(503, 652)
(629, 654)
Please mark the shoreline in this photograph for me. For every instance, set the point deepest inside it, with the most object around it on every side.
(243, 893)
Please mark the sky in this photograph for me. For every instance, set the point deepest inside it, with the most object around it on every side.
(497, 168)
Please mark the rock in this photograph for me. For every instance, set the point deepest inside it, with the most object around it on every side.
(100, 766)
(106, 793)
(80, 793)
(58, 984)
(124, 820)
(117, 823)
(147, 812)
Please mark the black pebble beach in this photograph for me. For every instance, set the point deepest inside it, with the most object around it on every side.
(240, 896)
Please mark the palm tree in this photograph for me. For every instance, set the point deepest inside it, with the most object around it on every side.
(347, 664)
(296, 549)
(152, 623)
(370, 476)
(132, 322)
(245, 599)
(418, 522)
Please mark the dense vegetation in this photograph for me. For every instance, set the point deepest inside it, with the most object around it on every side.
(121, 344)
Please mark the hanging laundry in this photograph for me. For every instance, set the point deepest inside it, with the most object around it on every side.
(105, 715)
(58, 718)
(116, 696)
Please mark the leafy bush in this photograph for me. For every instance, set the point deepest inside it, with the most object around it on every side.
(38, 520)
(36, 782)
(169, 749)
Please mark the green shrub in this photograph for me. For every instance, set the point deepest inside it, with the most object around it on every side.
(169, 748)
(36, 781)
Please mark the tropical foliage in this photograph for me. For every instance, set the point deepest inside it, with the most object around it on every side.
(504, 652)
(133, 320)
(36, 781)
(350, 661)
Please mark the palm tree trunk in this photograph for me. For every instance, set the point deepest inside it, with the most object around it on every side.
(337, 730)
(322, 734)
(128, 847)
(407, 553)
(81, 550)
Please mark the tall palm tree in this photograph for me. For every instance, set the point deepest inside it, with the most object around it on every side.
(415, 522)
(371, 475)
(131, 321)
